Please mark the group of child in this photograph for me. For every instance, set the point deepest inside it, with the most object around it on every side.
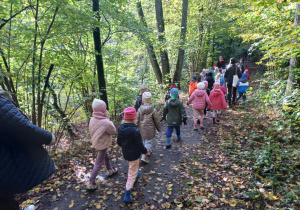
(140, 123)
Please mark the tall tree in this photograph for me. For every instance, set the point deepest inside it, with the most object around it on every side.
(149, 45)
(295, 60)
(99, 58)
(180, 57)
(161, 38)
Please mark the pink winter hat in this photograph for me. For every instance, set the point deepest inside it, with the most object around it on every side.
(98, 105)
(205, 83)
(129, 113)
(217, 85)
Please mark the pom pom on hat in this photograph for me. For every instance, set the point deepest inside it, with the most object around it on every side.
(200, 86)
(147, 97)
(129, 113)
(98, 105)
(217, 85)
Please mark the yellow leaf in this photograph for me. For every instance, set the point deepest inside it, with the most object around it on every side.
(71, 204)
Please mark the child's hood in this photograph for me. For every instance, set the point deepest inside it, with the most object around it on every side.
(216, 93)
(146, 109)
(127, 129)
(173, 103)
(200, 93)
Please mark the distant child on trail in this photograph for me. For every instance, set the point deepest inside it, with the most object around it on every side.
(218, 101)
(168, 95)
(200, 99)
(193, 85)
(101, 131)
(248, 75)
(148, 122)
(174, 113)
(130, 140)
(138, 101)
(202, 75)
(243, 85)
(222, 86)
(210, 79)
(208, 93)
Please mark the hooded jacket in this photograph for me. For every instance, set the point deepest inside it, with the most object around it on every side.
(200, 99)
(248, 75)
(101, 131)
(209, 78)
(193, 85)
(130, 140)
(243, 84)
(224, 89)
(24, 162)
(175, 112)
(148, 121)
(233, 70)
(217, 99)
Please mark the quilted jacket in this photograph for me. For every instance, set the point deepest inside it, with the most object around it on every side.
(148, 121)
(200, 99)
(130, 140)
(24, 163)
(174, 111)
(217, 99)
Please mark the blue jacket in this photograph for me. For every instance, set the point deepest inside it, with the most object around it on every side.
(24, 163)
(243, 84)
(130, 139)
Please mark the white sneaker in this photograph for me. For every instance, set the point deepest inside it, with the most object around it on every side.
(31, 207)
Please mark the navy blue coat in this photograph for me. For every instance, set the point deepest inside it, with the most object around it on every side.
(130, 139)
(24, 163)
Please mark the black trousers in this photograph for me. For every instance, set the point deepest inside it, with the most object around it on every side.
(9, 203)
(231, 93)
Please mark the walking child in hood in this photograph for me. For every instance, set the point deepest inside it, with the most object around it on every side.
(243, 85)
(200, 99)
(101, 131)
(139, 99)
(218, 101)
(209, 78)
(130, 140)
(193, 85)
(148, 122)
(174, 113)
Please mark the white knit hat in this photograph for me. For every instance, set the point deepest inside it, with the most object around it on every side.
(99, 105)
(147, 97)
(200, 86)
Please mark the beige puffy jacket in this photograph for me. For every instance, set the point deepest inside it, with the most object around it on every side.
(148, 121)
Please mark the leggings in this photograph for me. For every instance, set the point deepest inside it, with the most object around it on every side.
(102, 156)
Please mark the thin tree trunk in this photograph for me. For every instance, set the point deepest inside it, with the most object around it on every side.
(295, 60)
(33, 115)
(99, 59)
(180, 57)
(149, 45)
(165, 66)
(39, 100)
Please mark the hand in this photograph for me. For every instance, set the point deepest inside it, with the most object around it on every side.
(52, 141)
(184, 122)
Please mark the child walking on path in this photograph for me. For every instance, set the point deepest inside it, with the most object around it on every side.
(130, 140)
(176, 114)
(193, 85)
(208, 93)
(200, 99)
(218, 101)
(148, 122)
(139, 99)
(101, 131)
(243, 85)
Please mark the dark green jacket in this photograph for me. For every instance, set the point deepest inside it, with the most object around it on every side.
(176, 112)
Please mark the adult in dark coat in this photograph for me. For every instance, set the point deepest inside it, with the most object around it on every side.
(210, 79)
(221, 63)
(233, 70)
(24, 162)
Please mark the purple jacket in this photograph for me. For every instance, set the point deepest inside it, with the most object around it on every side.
(200, 99)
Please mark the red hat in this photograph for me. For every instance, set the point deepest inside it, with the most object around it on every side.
(129, 113)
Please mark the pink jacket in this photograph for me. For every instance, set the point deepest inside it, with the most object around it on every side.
(217, 99)
(101, 131)
(200, 99)
(224, 89)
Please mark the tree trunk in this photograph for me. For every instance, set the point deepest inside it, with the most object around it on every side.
(180, 58)
(295, 60)
(161, 38)
(33, 111)
(99, 59)
(149, 45)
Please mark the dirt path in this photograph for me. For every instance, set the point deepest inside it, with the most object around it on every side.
(157, 188)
